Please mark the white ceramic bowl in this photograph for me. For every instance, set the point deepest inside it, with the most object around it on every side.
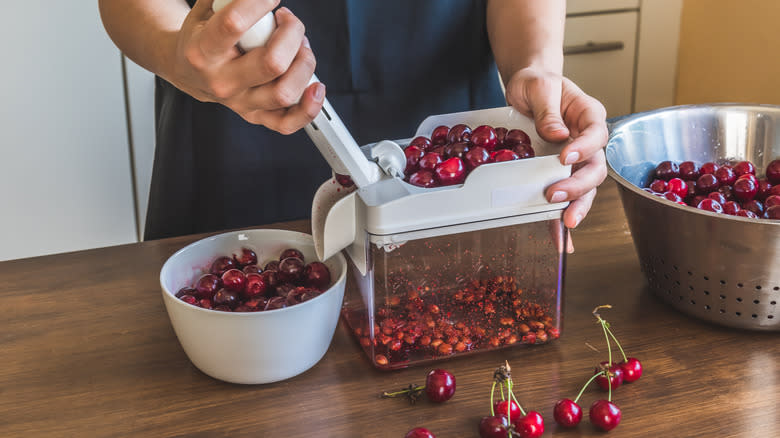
(252, 347)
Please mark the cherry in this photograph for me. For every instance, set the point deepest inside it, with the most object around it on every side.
(273, 265)
(439, 135)
(429, 161)
(505, 155)
(717, 196)
(710, 205)
(189, 299)
(450, 171)
(707, 183)
(773, 172)
(530, 425)
(186, 291)
(659, 186)
(772, 212)
(567, 413)
(457, 149)
(764, 189)
(476, 157)
(255, 286)
(667, 170)
(413, 155)
(245, 257)
(222, 264)
(731, 207)
(727, 192)
(744, 167)
(300, 294)
(290, 269)
(632, 369)
(423, 178)
(775, 190)
(344, 180)
(754, 206)
(771, 201)
(500, 136)
(673, 197)
(604, 415)
(747, 213)
(709, 167)
(515, 137)
(459, 132)
(271, 278)
(251, 269)
(484, 136)
(678, 186)
(419, 432)
(500, 408)
(276, 303)
(524, 151)
(439, 385)
(421, 142)
(689, 171)
(749, 176)
(745, 189)
(316, 275)
(726, 175)
(225, 297)
(493, 427)
(234, 280)
(615, 375)
(207, 285)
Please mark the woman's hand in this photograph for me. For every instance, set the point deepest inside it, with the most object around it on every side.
(267, 85)
(562, 110)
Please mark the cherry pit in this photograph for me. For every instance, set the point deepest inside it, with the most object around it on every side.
(236, 283)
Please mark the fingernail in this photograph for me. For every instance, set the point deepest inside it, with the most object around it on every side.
(319, 92)
(306, 43)
(558, 197)
(577, 220)
(572, 158)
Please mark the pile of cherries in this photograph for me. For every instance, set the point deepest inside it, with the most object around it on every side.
(238, 284)
(447, 157)
(730, 188)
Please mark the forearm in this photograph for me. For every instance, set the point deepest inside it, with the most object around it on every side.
(145, 30)
(525, 33)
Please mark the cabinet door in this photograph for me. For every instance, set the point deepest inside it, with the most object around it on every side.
(65, 167)
(599, 57)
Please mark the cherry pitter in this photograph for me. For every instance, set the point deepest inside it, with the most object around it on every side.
(443, 271)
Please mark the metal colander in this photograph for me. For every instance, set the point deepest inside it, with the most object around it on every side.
(720, 268)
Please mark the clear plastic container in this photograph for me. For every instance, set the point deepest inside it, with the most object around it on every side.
(459, 293)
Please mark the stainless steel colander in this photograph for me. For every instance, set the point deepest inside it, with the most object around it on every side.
(720, 268)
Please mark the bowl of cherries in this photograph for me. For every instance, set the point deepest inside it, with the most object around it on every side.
(253, 306)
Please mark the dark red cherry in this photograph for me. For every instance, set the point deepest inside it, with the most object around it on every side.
(604, 415)
(523, 151)
(731, 207)
(530, 426)
(678, 186)
(745, 189)
(504, 155)
(344, 180)
(290, 270)
(271, 278)
(726, 175)
(225, 297)
(423, 178)
(450, 171)
(775, 190)
(718, 196)
(696, 200)
(567, 413)
(291, 252)
(615, 378)
(727, 192)
(493, 427)
(251, 269)
(744, 167)
(459, 132)
(484, 136)
(773, 172)
(500, 136)
(632, 369)
(245, 257)
(189, 299)
(421, 142)
(667, 170)
(674, 197)
(710, 205)
(186, 291)
(457, 149)
(316, 275)
(419, 432)
(255, 286)
(707, 183)
(689, 171)
(439, 135)
(754, 206)
(747, 213)
(234, 280)
(709, 167)
(222, 264)
(207, 285)
(439, 385)
(749, 176)
(476, 157)
(284, 289)
(276, 303)
(429, 161)
(300, 294)
(515, 137)
(659, 186)
(205, 303)
(764, 189)
(501, 408)
(771, 201)
(413, 155)
(273, 265)
(772, 212)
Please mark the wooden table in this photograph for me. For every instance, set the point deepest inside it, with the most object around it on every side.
(87, 350)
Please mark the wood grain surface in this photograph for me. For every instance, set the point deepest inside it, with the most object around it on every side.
(87, 350)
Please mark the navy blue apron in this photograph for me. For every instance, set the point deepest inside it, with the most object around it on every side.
(386, 64)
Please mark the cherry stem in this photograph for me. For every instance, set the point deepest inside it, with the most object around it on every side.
(609, 385)
(588, 383)
(618, 344)
(606, 336)
(501, 388)
(492, 390)
(411, 388)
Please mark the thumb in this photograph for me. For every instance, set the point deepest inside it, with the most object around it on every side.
(542, 97)
(202, 10)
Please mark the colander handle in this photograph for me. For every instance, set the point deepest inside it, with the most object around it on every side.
(327, 131)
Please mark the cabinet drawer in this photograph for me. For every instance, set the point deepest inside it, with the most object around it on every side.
(600, 57)
(590, 6)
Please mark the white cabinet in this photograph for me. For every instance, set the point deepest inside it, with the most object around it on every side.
(65, 167)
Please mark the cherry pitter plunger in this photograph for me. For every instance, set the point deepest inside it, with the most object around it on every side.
(445, 271)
